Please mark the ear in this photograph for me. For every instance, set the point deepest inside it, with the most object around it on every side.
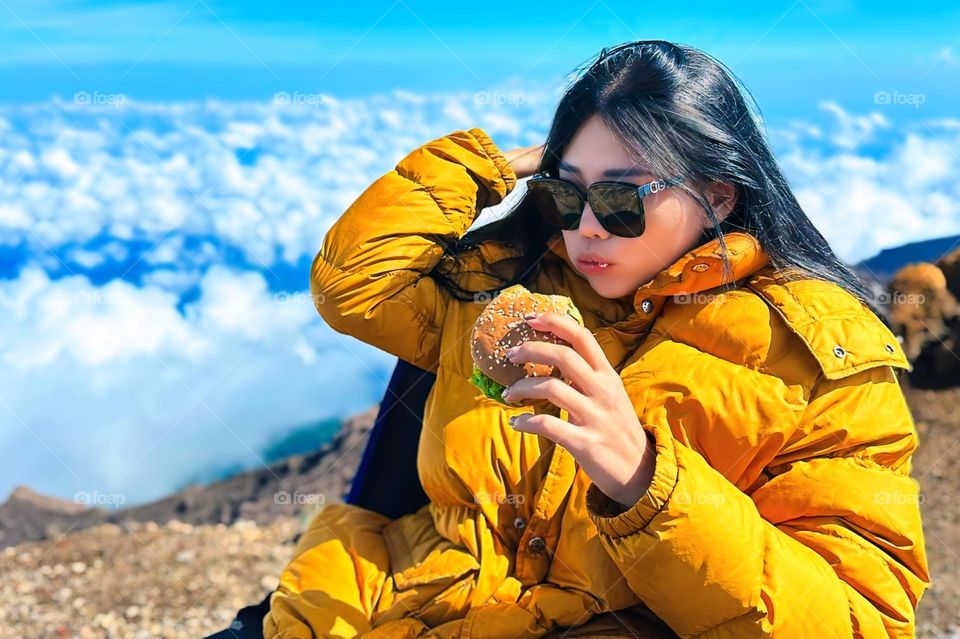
(722, 197)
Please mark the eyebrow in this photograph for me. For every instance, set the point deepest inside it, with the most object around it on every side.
(632, 171)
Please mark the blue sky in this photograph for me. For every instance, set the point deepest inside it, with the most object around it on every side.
(169, 169)
(792, 53)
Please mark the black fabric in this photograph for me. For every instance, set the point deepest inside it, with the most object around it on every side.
(248, 624)
(386, 480)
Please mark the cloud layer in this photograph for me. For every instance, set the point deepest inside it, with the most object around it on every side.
(154, 315)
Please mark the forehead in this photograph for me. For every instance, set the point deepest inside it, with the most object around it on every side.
(595, 152)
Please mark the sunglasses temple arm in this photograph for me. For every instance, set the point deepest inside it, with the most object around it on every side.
(659, 185)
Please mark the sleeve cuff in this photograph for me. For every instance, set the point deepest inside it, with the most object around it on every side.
(615, 520)
(507, 173)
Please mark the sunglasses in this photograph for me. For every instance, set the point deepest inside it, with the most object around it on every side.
(618, 206)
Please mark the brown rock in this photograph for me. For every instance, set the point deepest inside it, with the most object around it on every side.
(920, 306)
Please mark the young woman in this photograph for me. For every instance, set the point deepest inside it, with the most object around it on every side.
(733, 456)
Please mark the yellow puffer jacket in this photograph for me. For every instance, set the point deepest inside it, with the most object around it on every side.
(782, 503)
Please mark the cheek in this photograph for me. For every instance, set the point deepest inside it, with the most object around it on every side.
(673, 225)
(669, 215)
(671, 230)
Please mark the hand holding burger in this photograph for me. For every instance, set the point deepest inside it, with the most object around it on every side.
(500, 326)
(557, 360)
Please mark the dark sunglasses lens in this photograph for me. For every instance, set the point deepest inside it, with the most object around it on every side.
(618, 208)
(558, 203)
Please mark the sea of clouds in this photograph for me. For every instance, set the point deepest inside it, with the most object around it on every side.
(155, 321)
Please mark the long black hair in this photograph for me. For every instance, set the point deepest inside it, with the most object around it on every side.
(679, 111)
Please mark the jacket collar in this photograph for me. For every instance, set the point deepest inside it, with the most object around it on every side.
(698, 270)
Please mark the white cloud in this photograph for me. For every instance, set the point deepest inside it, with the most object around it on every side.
(111, 389)
(868, 185)
(199, 342)
(852, 131)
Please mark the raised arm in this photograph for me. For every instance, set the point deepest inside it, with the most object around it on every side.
(370, 278)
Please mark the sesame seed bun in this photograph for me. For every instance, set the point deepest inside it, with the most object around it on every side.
(501, 326)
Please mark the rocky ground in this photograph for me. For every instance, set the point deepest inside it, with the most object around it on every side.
(136, 579)
(937, 467)
(179, 567)
(140, 580)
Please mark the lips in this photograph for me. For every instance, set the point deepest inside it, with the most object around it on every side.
(591, 258)
(592, 265)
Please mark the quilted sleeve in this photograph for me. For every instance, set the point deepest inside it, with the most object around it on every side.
(830, 545)
(370, 278)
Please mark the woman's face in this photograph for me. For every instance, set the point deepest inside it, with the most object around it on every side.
(674, 220)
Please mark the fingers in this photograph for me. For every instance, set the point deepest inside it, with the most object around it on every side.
(553, 428)
(580, 337)
(552, 389)
(525, 160)
(569, 361)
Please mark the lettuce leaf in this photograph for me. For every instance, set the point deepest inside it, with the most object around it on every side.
(487, 386)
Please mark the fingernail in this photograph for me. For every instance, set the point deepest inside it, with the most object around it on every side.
(530, 316)
(506, 391)
(513, 420)
(512, 351)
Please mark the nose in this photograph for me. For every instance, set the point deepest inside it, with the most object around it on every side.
(589, 225)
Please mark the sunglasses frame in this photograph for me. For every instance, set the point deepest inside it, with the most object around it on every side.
(642, 190)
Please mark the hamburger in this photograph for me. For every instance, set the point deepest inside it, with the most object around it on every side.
(501, 326)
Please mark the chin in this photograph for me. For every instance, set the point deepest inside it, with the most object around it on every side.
(610, 290)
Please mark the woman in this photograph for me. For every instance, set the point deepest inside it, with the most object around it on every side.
(733, 457)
